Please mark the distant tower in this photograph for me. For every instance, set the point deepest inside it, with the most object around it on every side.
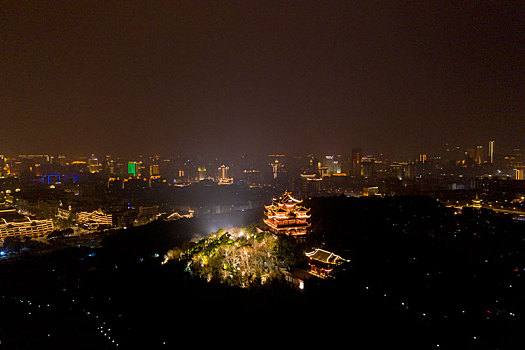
(275, 167)
(93, 164)
(491, 151)
(201, 173)
(154, 170)
(313, 165)
(357, 154)
(61, 160)
(479, 155)
(223, 175)
(422, 158)
(223, 172)
(132, 168)
(368, 166)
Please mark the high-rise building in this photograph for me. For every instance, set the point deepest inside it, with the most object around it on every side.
(223, 172)
(93, 166)
(422, 158)
(132, 168)
(154, 170)
(61, 160)
(201, 173)
(357, 154)
(368, 166)
(223, 175)
(275, 168)
(491, 152)
(313, 165)
(333, 164)
(479, 155)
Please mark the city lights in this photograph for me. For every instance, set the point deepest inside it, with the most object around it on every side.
(299, 173)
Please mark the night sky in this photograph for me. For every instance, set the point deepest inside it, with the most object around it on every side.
(209, 77)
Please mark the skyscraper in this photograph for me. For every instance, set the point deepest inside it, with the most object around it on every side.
(223, 172)
(479, 155)
(491, 152)
(132, 168)
(368, 166)
(357, 154)
(93, 165)
(154, 170)
(333, 164)
(224, 179)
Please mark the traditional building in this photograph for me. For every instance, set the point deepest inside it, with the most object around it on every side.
(476, 203)
(286, 216)
(323, 263)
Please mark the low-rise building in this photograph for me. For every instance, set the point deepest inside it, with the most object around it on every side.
(14, 224)
(324, 263)
(97, 217)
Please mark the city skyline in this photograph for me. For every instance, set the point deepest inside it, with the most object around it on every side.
(489, 153)
(186, 77)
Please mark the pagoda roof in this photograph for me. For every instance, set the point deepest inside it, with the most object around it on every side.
(302, 209)
(287, 198)
(326, 257)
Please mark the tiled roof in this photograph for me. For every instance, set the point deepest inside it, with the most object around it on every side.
(326, 257)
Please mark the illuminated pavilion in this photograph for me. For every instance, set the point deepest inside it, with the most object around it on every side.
(287, 217)
(324, 263)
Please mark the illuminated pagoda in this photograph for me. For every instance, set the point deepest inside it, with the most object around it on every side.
(324, 263)
(476, 203)
(287, 217)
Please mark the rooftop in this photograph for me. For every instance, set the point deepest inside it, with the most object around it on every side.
(326, 257)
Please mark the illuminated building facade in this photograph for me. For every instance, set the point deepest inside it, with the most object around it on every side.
(370, 191)
(93, 165)
(332, 164)
(14, 224)
(491, 151)
(154, 170)
(223, 176)
(201, 173)
(95, 217)
(476, 203)
(368, 166)
(307, 184)
(479, 155)
(132, 168)
(275, 168)
(323, 263)
(287, 217)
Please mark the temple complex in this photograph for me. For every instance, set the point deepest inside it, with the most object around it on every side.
(287, 217)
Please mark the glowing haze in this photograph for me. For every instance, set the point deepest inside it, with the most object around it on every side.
(307, 76)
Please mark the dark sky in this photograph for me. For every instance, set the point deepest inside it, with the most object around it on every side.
(174, 77)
